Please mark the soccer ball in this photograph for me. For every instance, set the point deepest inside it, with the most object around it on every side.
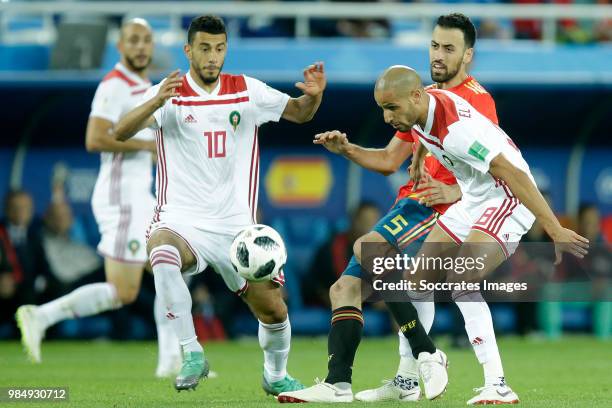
(258, 254)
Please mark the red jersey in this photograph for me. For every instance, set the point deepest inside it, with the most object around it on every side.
(479, 98)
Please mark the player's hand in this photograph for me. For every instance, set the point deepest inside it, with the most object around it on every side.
(334, 141)
(169, 88)
(417, 172)
(568, 241)
(437, 192)
(314, 80)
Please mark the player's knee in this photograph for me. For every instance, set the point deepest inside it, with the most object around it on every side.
(357, 248)
(344, 292)
(274, 312)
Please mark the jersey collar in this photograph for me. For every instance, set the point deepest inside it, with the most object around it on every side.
(123, 69)
(201, 91)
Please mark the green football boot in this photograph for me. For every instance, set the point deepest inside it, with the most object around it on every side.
(285, 385)
(195, 366)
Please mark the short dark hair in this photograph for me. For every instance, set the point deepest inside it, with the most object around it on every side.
(460, 22)
(209, 24)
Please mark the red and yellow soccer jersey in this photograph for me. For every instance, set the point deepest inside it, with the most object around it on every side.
(479, 98)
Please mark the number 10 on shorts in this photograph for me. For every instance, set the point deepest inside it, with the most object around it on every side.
(216, 143)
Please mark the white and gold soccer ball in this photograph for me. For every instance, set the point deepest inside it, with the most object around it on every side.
(258, 254)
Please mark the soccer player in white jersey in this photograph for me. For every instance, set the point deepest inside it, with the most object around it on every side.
(207, 187)
(499, 200)
(122, 203)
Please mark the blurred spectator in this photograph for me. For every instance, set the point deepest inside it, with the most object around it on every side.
(332, 257)
(69, 261)
(24, 239)
(10, 277)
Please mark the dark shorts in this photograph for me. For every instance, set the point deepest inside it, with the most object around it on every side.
(405, 227)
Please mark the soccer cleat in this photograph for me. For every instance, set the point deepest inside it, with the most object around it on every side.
(399, 389)
(494, 394)
(433, 371)
(287, 384)
(195, 366)
(320, 392)
(32, 331)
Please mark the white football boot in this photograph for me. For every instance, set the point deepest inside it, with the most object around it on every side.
(433, 372)
(32, 331)
(399, 389)
(320, 392)
(494, 394)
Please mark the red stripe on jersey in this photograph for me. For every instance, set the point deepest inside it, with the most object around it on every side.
(428, 140)
(251, 170)
(165, 169)
(158, 178)
(210, 102)
(503, 219)
(139, 92)
(186, 89)
(115, 73)
(255, 184)
(231, 84)
(445, 114)
(500, 210)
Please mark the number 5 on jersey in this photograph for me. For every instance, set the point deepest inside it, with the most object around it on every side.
(216, 143)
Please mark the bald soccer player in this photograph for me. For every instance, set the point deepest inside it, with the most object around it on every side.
(451, 50)
(122, 203)
(499, 202)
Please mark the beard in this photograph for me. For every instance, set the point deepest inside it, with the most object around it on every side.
(445, 75)
(209, 79)
(135, 66)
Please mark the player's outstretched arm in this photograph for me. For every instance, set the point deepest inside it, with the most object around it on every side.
(303, 109)
(385, 161)
(142, 116)
(523, 188)
(99, 138)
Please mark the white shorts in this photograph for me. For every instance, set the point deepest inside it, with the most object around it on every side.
(122, 229)
(504, 219)
(210, 248)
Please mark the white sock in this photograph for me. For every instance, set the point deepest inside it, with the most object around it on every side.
(171, 288)
(479, 328)
(167, 341)
(423, 302)
(275, 341)
(84, 301)
(408, 364)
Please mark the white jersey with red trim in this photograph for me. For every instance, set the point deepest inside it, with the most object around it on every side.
(124, 177)
(465, 142)
(208, 154)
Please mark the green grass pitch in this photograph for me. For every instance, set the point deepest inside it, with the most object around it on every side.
(572, 372)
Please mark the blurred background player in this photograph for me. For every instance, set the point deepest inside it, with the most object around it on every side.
(207, 183)
(450, 53)
(122, 203)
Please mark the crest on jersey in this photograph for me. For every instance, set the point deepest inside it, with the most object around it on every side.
(134, 246)
(234, 119)
(448, 160)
